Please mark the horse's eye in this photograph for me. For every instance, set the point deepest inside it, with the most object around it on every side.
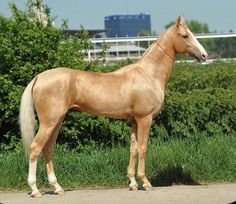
(185, 36)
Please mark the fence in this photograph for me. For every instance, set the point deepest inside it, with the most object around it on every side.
(218, 46)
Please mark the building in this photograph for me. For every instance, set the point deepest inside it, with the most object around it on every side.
(95, 33)
(127, 25)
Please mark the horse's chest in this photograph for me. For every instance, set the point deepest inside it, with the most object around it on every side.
(157, 103)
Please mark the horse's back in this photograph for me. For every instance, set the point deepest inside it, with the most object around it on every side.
(93, 92)
(120, 94)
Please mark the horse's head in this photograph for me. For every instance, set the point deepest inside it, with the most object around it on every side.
(186, 43)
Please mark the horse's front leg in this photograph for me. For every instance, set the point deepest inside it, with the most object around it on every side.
(144, 125)
(133, 156)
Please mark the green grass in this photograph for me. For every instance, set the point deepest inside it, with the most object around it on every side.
(191, 161)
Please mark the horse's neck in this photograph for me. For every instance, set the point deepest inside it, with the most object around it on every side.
(158, 60)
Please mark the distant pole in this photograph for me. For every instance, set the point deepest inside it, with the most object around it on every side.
(127, 44)
(139, 53)
(117, 51)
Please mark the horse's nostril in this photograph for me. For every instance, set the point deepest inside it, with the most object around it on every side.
(204, 55)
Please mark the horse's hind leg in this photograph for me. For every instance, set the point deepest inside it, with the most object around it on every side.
(48, 152)
(47, 133)
(43, 135)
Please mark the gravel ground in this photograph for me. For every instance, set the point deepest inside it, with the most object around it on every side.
(199, 194)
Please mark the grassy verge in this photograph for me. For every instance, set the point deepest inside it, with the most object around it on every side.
(190, 161)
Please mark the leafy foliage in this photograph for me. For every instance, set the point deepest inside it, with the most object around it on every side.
(194, 26)
(29, 47)
(199, 99)
(220, 48)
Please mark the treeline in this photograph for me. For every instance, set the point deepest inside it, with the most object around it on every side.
(200, 99)
(217, 47)
(220, 47)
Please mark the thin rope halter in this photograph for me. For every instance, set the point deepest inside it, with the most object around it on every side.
(164, 50)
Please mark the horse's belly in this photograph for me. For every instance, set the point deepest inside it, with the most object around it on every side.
(106, 110)
(110, 106)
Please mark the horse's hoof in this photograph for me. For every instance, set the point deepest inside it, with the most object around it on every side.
(60, 191)
(36, 194)
(133, 187)
(147, 187)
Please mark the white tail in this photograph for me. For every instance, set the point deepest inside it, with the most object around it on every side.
(27, 117)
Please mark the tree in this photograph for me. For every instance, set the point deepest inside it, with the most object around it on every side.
(194, 25)
(144, 33)
(197, 27)
(28, 47)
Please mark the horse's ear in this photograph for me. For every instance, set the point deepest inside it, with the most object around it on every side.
(181, 25)
(180, 21)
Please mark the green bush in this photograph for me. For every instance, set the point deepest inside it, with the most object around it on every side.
(187, 77)
(199, 98)
(198, 112)
(27, 48)
(188, 110)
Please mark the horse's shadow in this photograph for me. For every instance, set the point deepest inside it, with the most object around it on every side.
(174, 174)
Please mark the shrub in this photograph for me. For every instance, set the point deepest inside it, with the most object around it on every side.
(28, 48)
(198, 112)
(199, 99)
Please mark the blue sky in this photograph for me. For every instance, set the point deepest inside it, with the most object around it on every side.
(218, 14)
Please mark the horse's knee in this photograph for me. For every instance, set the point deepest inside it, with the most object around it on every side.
(134, 150)
(142, 151)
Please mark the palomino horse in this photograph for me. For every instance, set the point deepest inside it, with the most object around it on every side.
(134, 92)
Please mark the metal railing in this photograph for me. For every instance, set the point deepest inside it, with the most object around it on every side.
(127, 53)
(152, 38)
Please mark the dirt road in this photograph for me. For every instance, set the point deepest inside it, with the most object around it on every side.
(204, 194)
